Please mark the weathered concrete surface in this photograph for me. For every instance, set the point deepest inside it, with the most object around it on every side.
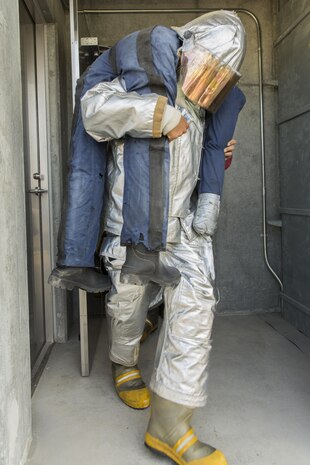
(244, 282)
(15, 406)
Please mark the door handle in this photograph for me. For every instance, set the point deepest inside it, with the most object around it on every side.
(37, 191)
(38, 176)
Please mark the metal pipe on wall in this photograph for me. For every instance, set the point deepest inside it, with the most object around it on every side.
(74, 14)
(74, 37)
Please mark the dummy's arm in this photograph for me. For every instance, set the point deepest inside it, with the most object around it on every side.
(109, 112)
(219, 131)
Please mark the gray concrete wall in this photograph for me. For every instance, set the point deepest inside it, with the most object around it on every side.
(15, 371)
(15, 405)
(293, 67)
(245, 283)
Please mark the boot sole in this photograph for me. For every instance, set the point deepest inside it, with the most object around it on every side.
(131, 278)
(67, 284)
(162, 449)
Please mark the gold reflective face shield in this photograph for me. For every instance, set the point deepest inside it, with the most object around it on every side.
(205, 79)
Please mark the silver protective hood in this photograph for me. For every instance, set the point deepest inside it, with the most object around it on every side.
(221, 32)
(211, 55)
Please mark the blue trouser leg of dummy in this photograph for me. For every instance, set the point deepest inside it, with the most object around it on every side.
(84, 199)
(83, 209)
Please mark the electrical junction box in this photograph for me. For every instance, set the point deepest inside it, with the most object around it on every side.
(89, 41)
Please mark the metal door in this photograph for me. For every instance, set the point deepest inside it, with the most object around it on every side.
(36, 185)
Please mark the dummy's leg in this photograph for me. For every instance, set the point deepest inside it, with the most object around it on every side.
(142, 266)
(180, 374)
(82, 209)
(127, 307)
(80, 227)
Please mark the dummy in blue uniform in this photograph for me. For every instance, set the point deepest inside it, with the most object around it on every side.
(146, 161)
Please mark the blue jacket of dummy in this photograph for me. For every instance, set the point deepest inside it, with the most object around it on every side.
(146, 161)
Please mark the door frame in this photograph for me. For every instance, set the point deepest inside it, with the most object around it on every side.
(46, 198)
(46, 207)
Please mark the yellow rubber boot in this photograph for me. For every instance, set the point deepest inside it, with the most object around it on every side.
(151, 322)
(149, 328)
(169, 433)
(130, 386)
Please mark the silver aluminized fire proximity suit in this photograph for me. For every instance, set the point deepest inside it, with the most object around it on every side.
(180, 371)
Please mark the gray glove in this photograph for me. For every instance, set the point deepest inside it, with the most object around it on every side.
(206, 215)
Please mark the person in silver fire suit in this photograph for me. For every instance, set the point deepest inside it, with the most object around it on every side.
(111, 112)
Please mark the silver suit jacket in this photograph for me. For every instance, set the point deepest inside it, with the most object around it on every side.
(109, 112)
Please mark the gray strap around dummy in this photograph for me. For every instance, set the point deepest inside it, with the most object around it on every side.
(156, 146)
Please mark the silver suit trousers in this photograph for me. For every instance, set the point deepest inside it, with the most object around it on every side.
(180, 368)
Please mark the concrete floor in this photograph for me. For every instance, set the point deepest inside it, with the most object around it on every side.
(258, 410)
